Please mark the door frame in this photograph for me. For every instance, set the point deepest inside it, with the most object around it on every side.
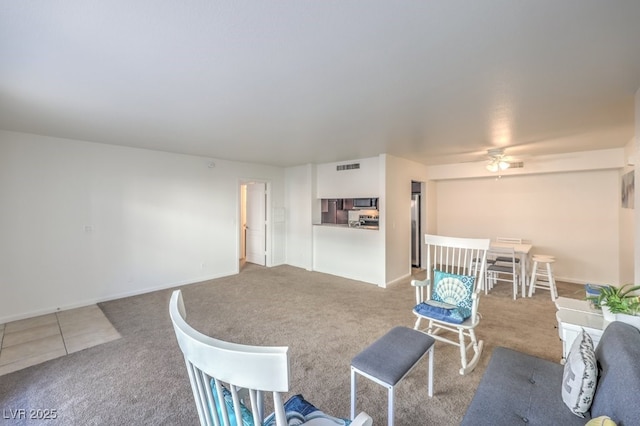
(240, 226)
(422, 225)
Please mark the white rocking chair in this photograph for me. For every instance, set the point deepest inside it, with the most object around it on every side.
(224, 375)
(448, 299)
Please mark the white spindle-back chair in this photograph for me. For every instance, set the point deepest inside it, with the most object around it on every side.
(243, 371)
(504, 268)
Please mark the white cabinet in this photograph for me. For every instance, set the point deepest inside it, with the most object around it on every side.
(573, 316)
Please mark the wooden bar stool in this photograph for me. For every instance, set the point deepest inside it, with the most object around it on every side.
(542, 275)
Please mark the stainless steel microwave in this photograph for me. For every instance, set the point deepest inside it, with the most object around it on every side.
(365, 203)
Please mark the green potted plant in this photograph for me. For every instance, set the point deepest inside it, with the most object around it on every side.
(618, 303)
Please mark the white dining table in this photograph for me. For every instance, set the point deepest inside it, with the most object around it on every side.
(522, 250)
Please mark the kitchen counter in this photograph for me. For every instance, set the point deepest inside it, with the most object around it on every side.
(344, 225)
(349, 252)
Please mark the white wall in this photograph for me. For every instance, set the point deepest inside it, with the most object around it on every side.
(356, 183)
(573, 216)
(300, 201)
(627, 224)
(431, 208)
(352, 253)
(84, 222)
(637, 182)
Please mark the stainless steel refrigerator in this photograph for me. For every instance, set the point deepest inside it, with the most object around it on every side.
(415, 230)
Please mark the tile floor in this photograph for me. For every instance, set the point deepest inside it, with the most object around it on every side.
(34, 340)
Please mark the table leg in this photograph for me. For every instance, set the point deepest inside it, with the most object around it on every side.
(353, 393)
(430, 390)
(390, 409)
(523, 274)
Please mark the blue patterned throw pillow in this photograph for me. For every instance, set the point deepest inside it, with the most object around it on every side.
(454, 290)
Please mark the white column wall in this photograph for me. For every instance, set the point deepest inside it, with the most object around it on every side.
(399, 174)
(637, 182)
(300, 201)
(83, 222)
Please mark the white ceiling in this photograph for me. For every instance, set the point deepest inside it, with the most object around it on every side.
(291, 82)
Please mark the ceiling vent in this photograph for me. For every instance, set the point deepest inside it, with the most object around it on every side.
(516, 164)
(352, 166)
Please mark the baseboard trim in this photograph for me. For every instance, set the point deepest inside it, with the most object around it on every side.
(93, 301)
(397, 280)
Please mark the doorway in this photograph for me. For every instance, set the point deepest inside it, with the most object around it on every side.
(253, 223)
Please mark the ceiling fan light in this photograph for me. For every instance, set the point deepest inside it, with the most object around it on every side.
(492, 167)
(503, 165)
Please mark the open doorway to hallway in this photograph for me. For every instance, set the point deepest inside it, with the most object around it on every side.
(253, 223)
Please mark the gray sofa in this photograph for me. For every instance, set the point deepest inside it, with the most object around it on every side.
(517, 388)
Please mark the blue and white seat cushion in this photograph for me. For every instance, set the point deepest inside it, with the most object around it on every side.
(580, 375)
(300, 411)
(451, 299)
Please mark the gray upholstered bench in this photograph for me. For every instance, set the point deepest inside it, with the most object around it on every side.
(389, 359)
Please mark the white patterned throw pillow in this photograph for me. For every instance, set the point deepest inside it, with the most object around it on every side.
(580, 375)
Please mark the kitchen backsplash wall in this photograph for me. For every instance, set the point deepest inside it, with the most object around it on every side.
(342, 211)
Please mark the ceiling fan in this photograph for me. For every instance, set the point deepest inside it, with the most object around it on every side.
(499, 162)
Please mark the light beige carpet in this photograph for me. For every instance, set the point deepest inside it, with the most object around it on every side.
(325, 320)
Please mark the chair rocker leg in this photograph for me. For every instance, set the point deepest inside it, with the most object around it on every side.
(416, 326)
(463, 349)
(434, 330)
(477, 346)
